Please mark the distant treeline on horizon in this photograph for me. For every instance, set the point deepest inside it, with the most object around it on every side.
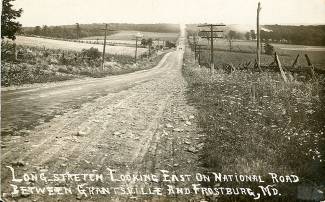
(310, 35)
(88, 30)
(301, 35)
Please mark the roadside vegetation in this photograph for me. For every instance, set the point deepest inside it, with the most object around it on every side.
(40, 65)
(254, 123)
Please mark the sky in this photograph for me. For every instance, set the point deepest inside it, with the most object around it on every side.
(64, 12)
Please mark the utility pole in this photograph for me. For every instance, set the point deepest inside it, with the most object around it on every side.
(103, 58)
(104, 48)
(258, 50)
(139, 35)
(136, 49)
(194, 39)
(211, 37)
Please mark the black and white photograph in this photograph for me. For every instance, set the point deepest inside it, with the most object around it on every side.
(162, 100)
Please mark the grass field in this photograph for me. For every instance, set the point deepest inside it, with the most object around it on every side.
(111, 41)
(243, 51)
(130, 35)
(117, 42)
(74, 46)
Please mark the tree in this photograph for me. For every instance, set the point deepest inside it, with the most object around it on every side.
(9, 27)
(57, 32)
(45, 30)
(37, 30)
(149, 42)
(247, 35)
(143, 42)
(230, 37)
(253, 34)
(78, 30)
(170, 44)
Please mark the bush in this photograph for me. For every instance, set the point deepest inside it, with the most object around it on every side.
(170, 44)
(92, 53)
(269, 49)
(7, 51)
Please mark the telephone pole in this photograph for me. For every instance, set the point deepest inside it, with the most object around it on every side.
(136, 45)
(211, 37)
(103, 58)
(136, 49)
(194, 41)
(258, 50)
(104, 48)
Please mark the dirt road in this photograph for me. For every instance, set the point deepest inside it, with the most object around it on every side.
(134, 123)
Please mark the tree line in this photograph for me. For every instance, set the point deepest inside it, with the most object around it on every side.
(301, 35)
(312, 35)
(86, 30)
(62, 31)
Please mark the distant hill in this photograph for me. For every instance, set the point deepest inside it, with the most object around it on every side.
(96, 29)
(311, 35)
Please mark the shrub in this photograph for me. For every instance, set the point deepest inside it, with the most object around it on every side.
(269, 49)
(92, 53)
(7, 50)
(170, 44)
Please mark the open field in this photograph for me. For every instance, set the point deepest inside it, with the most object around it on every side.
(244, 51)
(124, 43)
(130, 35)
(74, 46)
(238, 58)
(110, 41)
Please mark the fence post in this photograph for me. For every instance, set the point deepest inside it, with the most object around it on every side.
(311, 66)
(295, 62)
(280, 67)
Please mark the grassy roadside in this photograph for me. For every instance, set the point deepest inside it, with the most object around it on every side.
(38, 65)
(255, 124)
